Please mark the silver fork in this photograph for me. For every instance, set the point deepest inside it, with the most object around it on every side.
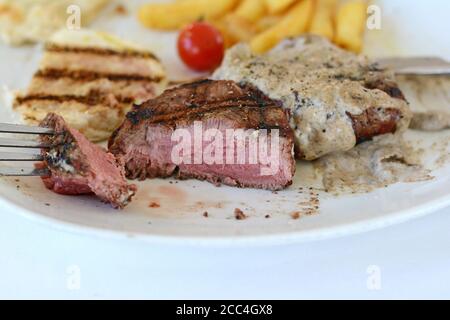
(22, 157)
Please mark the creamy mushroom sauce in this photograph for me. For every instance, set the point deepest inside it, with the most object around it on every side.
(374, 164)
(319, 83)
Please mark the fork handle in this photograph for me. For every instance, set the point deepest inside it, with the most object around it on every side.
(416, 65)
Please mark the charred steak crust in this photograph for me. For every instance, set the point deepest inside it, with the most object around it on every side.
(371, 123)
(385, 85)
(374, 122)
(191, 101)
(78, 166)
(64, 150)
(227, 105)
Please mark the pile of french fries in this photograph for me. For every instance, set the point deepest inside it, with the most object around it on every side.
(264, 23)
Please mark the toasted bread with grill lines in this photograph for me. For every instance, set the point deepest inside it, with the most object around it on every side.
(92, 80)
(29, 21)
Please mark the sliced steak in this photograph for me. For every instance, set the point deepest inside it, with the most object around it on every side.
(78, 166)
(150, 138)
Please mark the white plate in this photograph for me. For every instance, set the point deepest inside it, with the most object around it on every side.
(180, 220)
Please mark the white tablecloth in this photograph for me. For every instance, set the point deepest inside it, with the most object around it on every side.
(405, 261)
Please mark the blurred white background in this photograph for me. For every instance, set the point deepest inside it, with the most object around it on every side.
(408, 261)
(411, 28)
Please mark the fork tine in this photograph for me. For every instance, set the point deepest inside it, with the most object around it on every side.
(8, 156)
(13, 143)
(17, 128)
(23, 172)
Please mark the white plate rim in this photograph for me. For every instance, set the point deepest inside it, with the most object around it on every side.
(280, 239)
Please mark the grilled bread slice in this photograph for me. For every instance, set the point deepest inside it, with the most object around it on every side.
(92, 79)
(29, 21)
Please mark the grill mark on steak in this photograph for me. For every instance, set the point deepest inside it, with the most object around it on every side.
(92, 99)
(151, 116)
(262, 101)
(86, 75)
(197, 105)
(100, 51)
(195, 83)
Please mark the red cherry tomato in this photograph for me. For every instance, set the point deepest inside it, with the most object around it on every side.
(201, 46)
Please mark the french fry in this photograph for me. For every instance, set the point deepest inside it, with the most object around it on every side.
(223, 28)
(251, 10)
(322, 23)
(278, 6)
(266, 22)
(350, 24)
(294, 23)
(234, 29)
(172, 16)
(220, 25)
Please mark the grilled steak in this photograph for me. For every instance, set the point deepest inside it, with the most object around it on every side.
(146, 141)
(336, 99)
(80, 167)
(91, 80)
